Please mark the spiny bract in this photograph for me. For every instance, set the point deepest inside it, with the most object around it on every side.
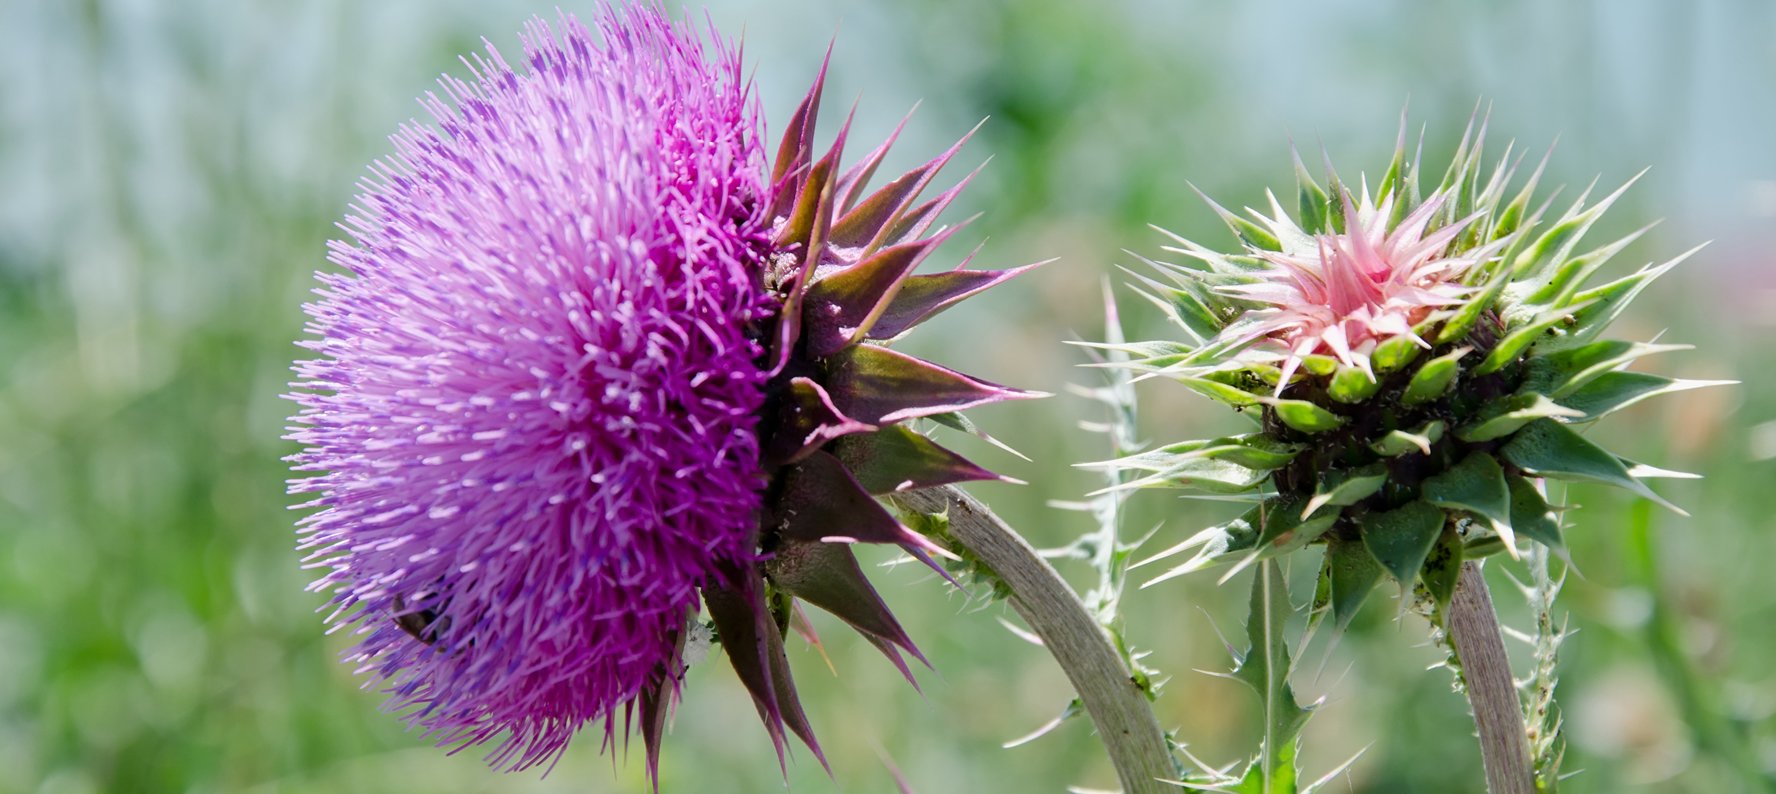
(1414, 363)
(592, 363)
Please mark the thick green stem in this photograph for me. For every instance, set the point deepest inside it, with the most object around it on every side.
(1117, 706)
(1486, 674)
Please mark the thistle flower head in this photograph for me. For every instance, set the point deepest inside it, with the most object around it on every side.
(1414, 363)
(1343, 293)
(593, 368)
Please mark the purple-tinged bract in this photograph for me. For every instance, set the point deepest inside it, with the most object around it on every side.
(594, 370)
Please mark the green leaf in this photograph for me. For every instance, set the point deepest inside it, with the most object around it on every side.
(1265, 667)
(1400, 539)
(1476, 485)
(1352, 385)
(1504, 417)
(1434, 378)
(1400, 442)
(1344, 487)
(1550, 449)
(1613, 391)
(1531, 516)
(1303, 415)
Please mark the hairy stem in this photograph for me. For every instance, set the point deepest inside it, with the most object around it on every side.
(1486, 673)
(1117, 706)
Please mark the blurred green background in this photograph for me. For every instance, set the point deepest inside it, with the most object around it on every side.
(172, 170)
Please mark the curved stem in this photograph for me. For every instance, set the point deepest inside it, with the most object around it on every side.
(1486, 672)
(1120, 709)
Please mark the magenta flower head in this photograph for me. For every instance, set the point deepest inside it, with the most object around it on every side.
(594, 371)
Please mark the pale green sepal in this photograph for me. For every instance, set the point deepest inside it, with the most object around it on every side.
(1434, 377)
(1352, 385)
(1506, 416)
(1303, 415)
(1549, 449)
(1319, 365)
(1395, 353)
(1400, 442)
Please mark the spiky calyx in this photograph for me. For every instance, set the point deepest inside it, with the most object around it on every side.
(1413, 362)
(834, 429)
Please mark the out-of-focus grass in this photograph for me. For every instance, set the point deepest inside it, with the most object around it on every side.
(171, 172)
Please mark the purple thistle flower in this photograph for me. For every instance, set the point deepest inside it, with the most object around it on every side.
(591, 366)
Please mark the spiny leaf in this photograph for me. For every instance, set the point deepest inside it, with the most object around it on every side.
(842, 307)
(1271, 529)
(1613, 391)
(1352, 573)
(1531, 516)
(1604, 304)
(1344, 487)
(1505, 416)
(1400, 442)
(1442, 567)
(1200, 473)
(922, 297)
(1230, 395)
(1253, 451)
(1477, 485)
(897, 459)
(1400, 539)
(880, 386)
(1550, 449)
(827, 575)
(1561, 373)
(1265, 667)
(1509, 348)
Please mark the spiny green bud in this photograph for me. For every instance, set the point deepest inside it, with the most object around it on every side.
(1414, 361)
